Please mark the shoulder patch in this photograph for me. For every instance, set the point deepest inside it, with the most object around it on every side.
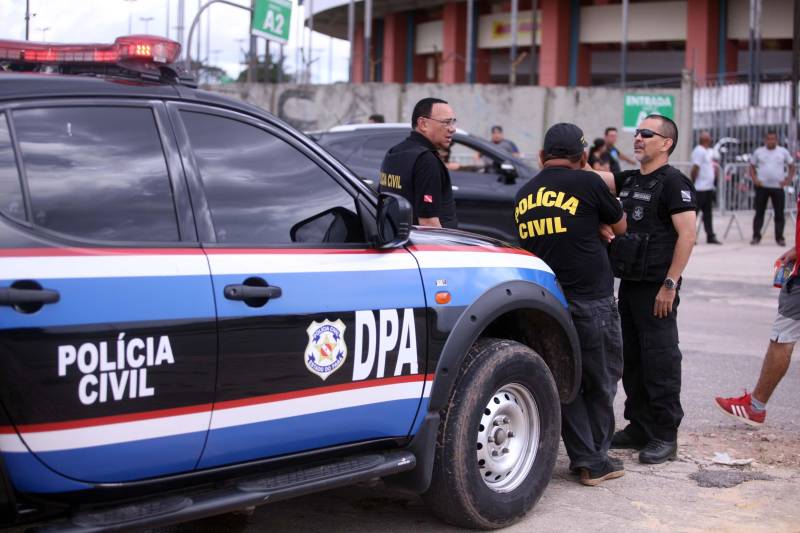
(686, 196)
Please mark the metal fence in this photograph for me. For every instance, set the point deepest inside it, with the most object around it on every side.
(739, 117)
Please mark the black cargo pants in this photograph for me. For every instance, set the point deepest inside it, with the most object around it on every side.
(652, 363)
(587, 423)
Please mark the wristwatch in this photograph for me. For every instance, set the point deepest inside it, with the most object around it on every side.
(670, 284)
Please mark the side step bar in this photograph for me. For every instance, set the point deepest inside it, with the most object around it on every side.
(238, 494)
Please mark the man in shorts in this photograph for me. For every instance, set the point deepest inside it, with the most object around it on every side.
(752, 408)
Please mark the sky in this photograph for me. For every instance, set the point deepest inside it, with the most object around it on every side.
(101, 21)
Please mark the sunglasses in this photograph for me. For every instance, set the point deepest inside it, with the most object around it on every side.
(648, 134)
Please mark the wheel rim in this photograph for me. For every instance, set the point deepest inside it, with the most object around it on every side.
(508, 437)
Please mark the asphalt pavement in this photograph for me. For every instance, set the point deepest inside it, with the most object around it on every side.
(725, 316)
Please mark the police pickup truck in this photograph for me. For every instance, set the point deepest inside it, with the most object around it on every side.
(202, 311)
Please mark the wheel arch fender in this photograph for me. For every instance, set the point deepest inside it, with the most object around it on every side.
(521, 311)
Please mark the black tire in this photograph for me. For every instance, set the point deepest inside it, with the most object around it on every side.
(458, 493)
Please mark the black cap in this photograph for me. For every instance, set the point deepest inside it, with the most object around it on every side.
(497, 129)
(564, 139)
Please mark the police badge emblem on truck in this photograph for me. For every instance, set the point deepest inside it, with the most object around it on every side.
(326, 350)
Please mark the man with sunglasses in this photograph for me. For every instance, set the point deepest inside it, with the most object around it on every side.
(660, 203)
(414, 170)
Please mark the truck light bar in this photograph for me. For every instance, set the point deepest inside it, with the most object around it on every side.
(144, 48)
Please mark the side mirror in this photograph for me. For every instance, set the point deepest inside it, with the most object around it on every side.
(395, 217)
(508, 173)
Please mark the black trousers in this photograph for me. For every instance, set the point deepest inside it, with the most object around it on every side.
(587, 423)
(778, 204)
(652, 370)
(705, 203)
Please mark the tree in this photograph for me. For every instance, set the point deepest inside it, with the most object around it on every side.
(262, 76)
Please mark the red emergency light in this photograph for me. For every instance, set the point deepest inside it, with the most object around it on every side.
(145, 48)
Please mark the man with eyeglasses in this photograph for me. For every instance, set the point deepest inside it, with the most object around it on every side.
(414, 170)
(660, 203)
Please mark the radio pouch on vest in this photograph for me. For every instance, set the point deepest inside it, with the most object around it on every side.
(628, 255)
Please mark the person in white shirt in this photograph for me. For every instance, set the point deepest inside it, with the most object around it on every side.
(702, 174)
(768, 169)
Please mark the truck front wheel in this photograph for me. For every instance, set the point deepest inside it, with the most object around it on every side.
(498, 437)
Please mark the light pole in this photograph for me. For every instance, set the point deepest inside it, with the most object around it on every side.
(130, 18)
(44, 32)
(146, 21)
(28, 17)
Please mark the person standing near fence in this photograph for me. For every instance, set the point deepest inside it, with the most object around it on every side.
(702, 175)
(768, 170)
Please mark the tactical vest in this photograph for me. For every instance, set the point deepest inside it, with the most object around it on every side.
(399, 161)
(645, 252)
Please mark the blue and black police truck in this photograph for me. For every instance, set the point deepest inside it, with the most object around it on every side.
(202, 311)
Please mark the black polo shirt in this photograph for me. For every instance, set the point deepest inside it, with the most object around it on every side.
(414, 170)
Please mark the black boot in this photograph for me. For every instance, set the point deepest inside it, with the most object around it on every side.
(659, 451)
(627, 439)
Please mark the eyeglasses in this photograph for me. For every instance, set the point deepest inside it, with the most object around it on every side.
(448, 122)
(647, 134)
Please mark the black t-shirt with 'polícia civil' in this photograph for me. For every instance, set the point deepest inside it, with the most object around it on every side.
(558, 215)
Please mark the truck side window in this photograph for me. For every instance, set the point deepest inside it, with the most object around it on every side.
(97, 173)
(262, 190)
(11, 199)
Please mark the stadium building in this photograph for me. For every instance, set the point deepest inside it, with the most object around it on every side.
(578, 42)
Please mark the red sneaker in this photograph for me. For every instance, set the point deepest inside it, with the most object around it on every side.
(741, 409)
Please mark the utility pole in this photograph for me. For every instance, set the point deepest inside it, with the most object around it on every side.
(179, 26)
(280, 64)
(166, 34)
(27, 19)
(130, 17)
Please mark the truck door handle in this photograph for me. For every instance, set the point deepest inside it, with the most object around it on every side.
(249, 292)
(12, 297)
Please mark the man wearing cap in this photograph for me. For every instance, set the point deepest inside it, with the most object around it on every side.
(414, 170)
(660, 203)
(558, 214)
(499, 140)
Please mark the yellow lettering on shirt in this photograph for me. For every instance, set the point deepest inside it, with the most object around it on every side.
(544, 225)
(391, 180)
(541, 226)
(571, 205)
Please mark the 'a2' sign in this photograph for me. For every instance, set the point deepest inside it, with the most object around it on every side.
(272, 19)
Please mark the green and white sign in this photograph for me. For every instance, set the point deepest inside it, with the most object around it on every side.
(638, 106)
(271, 19)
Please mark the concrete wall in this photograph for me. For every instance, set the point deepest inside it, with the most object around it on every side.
(524, 112)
